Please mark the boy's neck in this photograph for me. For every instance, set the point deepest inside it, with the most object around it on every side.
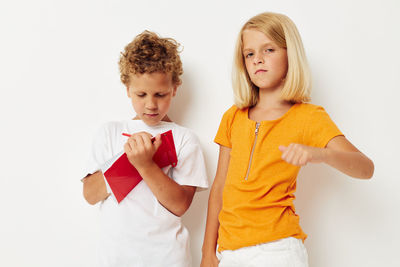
(166, 118)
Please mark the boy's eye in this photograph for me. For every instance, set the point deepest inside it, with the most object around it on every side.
(269, 50)
(141, 95)
(160, 95)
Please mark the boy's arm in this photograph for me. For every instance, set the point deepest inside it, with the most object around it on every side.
(339, 153)
(214, 207)
(140, 151)
(174, 197)
(94, 188)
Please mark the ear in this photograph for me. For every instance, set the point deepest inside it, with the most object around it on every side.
(175, 87)
(174, 90)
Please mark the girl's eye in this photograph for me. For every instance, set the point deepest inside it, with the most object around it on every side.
(160, 95)
(269, 50)
(141, 95)
(248, 55)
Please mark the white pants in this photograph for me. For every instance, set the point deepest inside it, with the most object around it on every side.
(287, 252)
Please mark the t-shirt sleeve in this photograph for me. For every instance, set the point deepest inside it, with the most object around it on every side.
(223, 136)
(191, 169)
(100, 154)
(320, 128)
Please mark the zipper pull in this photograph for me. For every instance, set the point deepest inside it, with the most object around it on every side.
(257, 126)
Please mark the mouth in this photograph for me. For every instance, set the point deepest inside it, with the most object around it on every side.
(151, 115)
(260, 71)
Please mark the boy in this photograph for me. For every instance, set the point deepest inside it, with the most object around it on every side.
(145, 228)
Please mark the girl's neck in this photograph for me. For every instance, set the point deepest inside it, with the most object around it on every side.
(269, 107)
(271, 99)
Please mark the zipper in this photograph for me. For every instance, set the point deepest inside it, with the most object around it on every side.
(252, 150)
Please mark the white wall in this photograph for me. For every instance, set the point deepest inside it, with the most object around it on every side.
(59, 82)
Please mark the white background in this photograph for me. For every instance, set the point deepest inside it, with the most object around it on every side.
(59, 82)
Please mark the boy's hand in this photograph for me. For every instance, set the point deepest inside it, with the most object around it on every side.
(140, 149)
(300, 155)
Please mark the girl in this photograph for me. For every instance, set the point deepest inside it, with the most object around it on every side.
(264, 139)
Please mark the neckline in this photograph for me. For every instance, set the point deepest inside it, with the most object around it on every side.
(160, 124)
(275, 120)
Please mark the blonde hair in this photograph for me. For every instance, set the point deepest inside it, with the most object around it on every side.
(149, 53)
(280, 29)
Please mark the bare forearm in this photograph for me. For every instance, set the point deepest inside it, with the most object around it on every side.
(215, 203)
(212, 225)
(214, 208)
(354, 164)
(94, 188)
(170, 194)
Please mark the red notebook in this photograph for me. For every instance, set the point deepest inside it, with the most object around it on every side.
(122, 177)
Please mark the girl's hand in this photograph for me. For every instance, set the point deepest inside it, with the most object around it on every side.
(209, 261)
(300, 155)
(140, 149)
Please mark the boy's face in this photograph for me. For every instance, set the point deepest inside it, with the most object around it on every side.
(151, 95)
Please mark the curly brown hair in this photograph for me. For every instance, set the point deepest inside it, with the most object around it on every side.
(149, 53)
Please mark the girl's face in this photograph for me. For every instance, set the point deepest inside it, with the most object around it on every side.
(266, 63)
(151, 95)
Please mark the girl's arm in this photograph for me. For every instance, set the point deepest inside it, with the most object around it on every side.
(94, 188)
(344, 156)
(214, 207)
(140, 151)
(338, 153)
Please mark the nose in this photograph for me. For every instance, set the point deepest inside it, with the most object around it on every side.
(151, 103)
(258, 59)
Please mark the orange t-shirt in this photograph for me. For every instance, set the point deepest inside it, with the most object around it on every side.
(259, 188)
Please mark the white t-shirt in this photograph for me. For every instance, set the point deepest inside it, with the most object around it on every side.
(139, 231)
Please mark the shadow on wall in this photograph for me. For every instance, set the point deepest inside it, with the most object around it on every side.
(326, 197)
(316, 184)
(181, 102)
(194, 219)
